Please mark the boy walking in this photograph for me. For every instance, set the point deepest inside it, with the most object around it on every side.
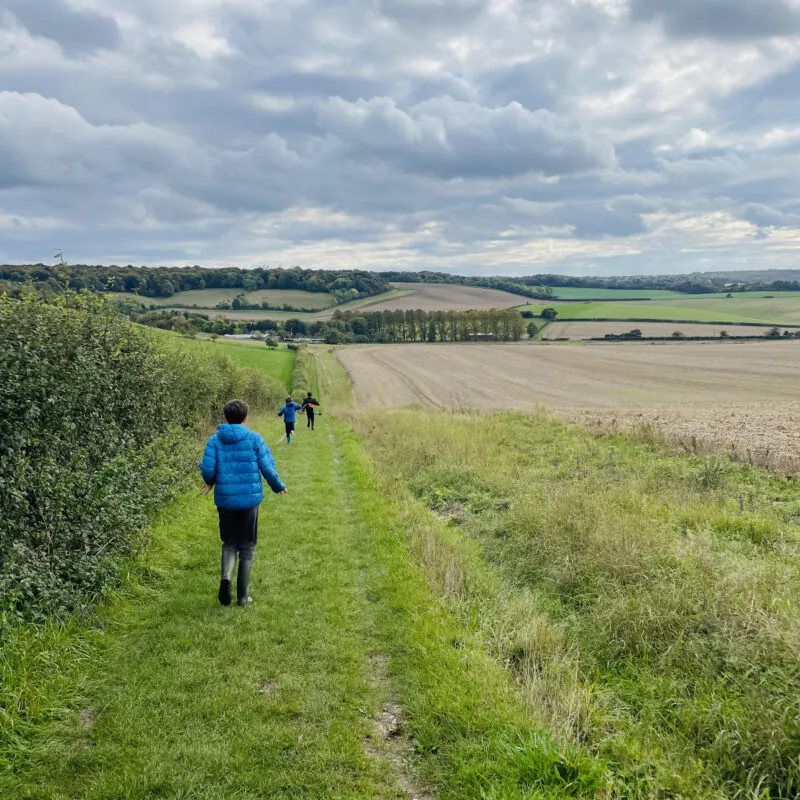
(234, 460)
(310, 406)
(289, 414)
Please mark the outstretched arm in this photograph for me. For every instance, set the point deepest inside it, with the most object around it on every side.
(266, 465)
(208, 466)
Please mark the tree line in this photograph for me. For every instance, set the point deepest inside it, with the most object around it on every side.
(352, 327)
(344, 285)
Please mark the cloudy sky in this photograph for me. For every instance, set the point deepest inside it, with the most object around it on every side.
(480, 136)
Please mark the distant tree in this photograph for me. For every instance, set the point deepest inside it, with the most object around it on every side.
(528, 314)
(729, 295)
(723, 334)
(271, 344)
(773, 333)
(532, 329)
(787, 334)
(677, 335)
(549, 313)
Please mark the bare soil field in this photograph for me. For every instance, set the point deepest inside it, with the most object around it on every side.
(577, 329)
(446, 297)
(740, 397)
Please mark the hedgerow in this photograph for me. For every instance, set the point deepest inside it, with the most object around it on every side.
(98, 428)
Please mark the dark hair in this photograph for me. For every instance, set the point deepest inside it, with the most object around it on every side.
(309, 394)
(289, 399)
(236, 412)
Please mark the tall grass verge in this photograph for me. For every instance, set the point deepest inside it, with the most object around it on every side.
(646, 604)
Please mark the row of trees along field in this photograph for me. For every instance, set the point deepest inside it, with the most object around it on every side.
(100, 424)
(356, 328)
(541, 285)
(344, 285)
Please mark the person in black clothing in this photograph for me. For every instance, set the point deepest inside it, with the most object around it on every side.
(309, 406)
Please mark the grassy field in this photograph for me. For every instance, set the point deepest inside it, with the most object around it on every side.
(777, 309)
(325, 313)
(645, 605)
(278, 364)
(209, 298)
(580, 293)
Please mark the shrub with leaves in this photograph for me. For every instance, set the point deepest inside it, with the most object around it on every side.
(98, 428)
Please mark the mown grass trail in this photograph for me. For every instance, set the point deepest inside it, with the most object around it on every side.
(189, 699)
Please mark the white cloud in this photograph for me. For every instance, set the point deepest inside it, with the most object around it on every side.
(492, 135)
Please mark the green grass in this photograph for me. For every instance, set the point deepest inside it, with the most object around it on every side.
(645, 604)
(581, 293)
(323, 314)
(209, 298)
(780, 309)
(278, 364)
(166, 694)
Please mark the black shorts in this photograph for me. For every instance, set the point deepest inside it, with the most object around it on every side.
(239, 528)
(289, 427)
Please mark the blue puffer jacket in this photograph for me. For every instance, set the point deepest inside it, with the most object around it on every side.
(289, 412)
(233, 463)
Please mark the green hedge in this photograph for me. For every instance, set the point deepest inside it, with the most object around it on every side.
(303, 375)
(99, 426)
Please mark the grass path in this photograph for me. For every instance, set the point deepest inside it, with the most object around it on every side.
(195, 700)
(176, 697)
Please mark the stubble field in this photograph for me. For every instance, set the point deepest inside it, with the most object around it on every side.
(741, 397)
(446, 297)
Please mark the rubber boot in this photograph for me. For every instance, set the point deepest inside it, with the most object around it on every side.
(228, 563)
(243, 582)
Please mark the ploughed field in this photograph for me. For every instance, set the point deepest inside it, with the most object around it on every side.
(578, 329)
(742, 397)
(446, 297)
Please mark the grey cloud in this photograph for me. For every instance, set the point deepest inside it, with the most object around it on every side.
(725, 20)
(766, 217)
(423, 13)
(76, 30)
(402, 124)
(452, 138)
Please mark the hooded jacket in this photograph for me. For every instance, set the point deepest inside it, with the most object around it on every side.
(234, 460)
(289, 412)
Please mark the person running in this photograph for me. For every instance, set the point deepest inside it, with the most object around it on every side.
(310, 406)
(289, 414)
(234, 461)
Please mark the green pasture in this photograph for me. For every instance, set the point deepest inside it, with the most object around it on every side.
(759, 307)
(581, 293)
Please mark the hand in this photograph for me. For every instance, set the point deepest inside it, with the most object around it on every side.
(206, 488)
(285, 491)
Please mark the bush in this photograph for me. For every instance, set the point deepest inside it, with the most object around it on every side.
(98, 427)
(302, 377)
(549, 313)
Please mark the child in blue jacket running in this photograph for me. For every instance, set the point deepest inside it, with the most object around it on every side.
(233, 463)
(289, 414)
